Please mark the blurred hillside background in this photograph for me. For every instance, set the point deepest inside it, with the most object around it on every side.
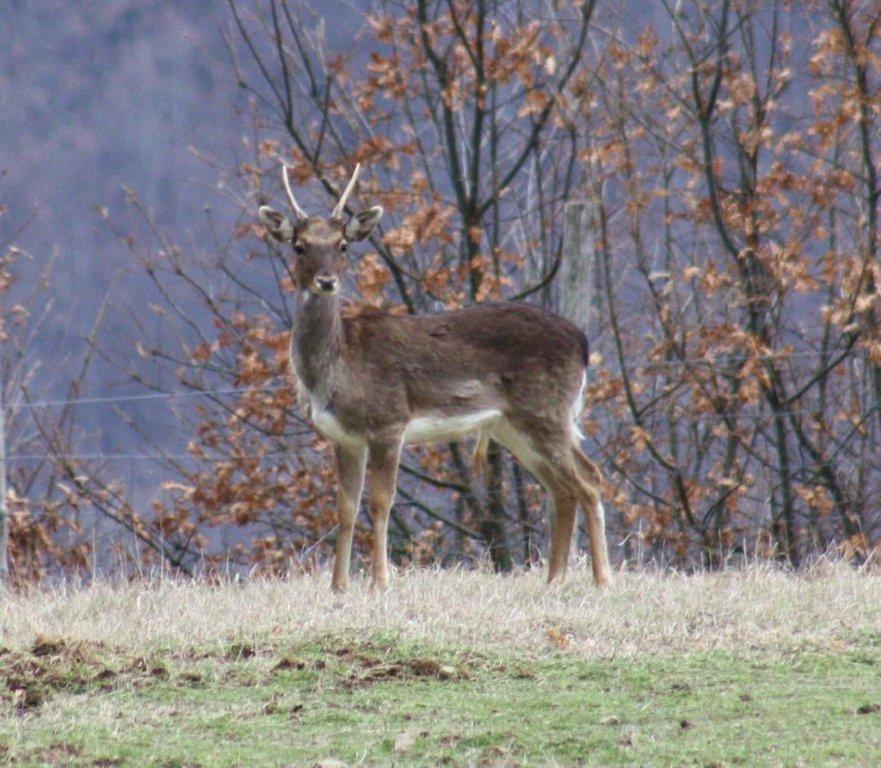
(727, 156)
(95, 98)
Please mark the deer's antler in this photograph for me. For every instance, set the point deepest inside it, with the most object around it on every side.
(301, 214)
(341, 205)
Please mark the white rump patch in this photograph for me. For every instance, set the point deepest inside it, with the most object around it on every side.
(578, 407)
(428, 429)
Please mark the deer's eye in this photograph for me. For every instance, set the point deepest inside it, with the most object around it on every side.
(299, 250)
(343, 246)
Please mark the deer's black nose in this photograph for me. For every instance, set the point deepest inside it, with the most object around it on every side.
(326, 283)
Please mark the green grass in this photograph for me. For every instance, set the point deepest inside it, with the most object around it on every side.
(395, 701)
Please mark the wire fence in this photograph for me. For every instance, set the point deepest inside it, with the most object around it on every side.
(659, 410)
(137, 456)
(703, 361)
(153, 396)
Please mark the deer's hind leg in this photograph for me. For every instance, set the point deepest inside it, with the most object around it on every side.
(561, 475)
(586, 468)
(575, 480)
(565, 504)
(542, 457)
(588, 479)
(557, 462)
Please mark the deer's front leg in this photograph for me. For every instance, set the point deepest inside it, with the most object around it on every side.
(382, 468)
(350, 469)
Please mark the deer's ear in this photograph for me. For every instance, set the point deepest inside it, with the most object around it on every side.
(278, 226)
(361, 224)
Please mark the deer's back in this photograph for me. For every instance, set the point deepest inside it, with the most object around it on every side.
(505, 356)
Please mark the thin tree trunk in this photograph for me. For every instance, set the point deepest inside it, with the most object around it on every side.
(4, 513)
(492, 526)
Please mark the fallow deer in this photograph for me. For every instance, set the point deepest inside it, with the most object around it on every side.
(376, 382)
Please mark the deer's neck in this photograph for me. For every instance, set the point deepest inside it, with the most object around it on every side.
(315, 343)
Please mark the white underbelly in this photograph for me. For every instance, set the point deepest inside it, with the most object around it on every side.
(429, 428)
(439, 428)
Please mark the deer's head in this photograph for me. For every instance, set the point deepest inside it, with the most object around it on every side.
(319, 244)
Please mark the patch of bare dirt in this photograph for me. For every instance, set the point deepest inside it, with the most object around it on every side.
(30, 678)
(141, 665)
(367, 670)
(279, 706)
(58, 753)
(239, 651)
(289, 663)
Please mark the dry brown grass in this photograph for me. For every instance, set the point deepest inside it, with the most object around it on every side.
(757, 608)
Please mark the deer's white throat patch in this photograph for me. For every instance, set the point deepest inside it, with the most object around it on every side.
(323, 419)
(329, 427)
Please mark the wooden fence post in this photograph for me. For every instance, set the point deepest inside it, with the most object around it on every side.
(576, 269)
(577, 275)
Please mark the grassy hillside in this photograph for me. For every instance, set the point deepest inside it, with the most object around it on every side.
(456, 668)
